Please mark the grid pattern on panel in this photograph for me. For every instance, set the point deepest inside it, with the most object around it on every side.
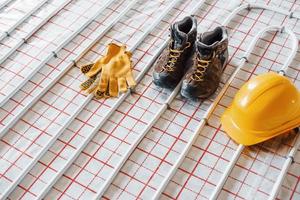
(150, 93)
(129, 182)
(20, 65)
(259, 166)
(210, 158)
(86, 121)
(27, 26)
(14, 12)
(159, 150)
(68, 77)
(36, 181)
(13, 107)
(113, 134)
(46, 75)
(141, 175)
(24, 142)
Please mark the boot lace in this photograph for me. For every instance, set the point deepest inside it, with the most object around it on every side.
(201, 68)
(173, 57)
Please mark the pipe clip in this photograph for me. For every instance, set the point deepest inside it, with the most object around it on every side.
(249, 7)
(245, 58)
(132, 90)
(24, 40)
(282, 72)
(74, 63)
(168, 106)
(54, 54)
(282, 29)
(205, 121)
(292, 158)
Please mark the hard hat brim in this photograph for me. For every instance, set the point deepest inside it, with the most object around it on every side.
(250, 137)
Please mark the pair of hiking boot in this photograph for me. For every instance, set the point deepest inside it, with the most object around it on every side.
(199, 61)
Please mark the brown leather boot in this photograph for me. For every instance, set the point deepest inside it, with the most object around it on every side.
(210, 58)
(172, 64)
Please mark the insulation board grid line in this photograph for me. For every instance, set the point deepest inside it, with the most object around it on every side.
(137, 43)
(207, 115)
(22, 102)
(36, 28)
(203, 121)
(5, 4)
(139, 76)
(143, 131)
(150, 125)
(9, 188)
(245, 58)
(182, 192)
(6, 97)
(108, 181)
(24, 18)
(286, 166)
(43, 192)
(44, 62)
(78, 91)
(188, 146)
(240, 148)
(212, 145)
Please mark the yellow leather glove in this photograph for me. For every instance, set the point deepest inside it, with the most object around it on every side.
(92, 70)
(116, 76)
(110, 74)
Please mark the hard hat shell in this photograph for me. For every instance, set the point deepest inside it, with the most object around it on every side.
(265, 107)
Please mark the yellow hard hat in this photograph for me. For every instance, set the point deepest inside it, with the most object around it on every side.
(265, 107)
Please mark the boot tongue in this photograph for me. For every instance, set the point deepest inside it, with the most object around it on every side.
(204, 51)
(179, 38)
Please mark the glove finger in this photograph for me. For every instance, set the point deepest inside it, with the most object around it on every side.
(86, 68)
(86, 84)
(95, 69)
(91, 89)
(113, 87)
(98, 94)
(130, 80)
(103, 82)
(122, 84)
(106, 95)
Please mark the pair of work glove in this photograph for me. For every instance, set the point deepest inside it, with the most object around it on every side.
(110, 74)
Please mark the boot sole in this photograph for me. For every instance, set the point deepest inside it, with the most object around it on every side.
(195, 98)
(163, 85)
